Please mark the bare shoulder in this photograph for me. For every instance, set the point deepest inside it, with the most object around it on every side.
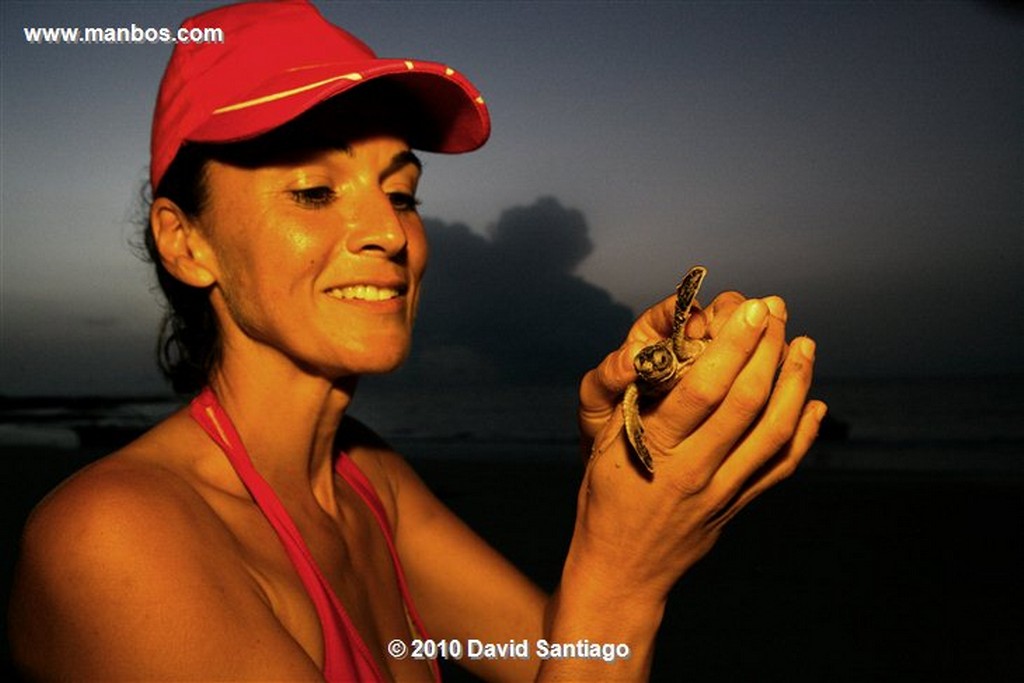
(116, 506)
(116, 525)
(126, 572)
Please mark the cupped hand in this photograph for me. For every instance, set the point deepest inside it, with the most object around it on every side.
(737, 422)
(601, 389)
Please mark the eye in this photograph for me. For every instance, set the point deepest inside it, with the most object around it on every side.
(314, 197)
(403, 201)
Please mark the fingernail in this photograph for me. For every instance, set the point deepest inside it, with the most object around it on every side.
(807, 347)
(756, 313)
(777, 307)
(820, 411)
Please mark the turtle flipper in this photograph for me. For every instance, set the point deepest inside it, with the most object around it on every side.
(686, 294)
(634, 427)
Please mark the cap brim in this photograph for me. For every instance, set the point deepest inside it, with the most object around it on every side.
(451, 115)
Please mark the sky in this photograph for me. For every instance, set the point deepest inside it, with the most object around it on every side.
(863, 160)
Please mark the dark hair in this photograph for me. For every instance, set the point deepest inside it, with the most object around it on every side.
(188, 348)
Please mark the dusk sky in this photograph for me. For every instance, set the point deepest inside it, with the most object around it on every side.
(864, 160)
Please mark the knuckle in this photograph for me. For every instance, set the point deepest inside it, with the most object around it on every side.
(690, 482)
(729, 297)
(681, 474)
(655, 440)
(604, 375)
(748, 399)
(608, 377)
(777, 432)
(590, 387)
(700, 390)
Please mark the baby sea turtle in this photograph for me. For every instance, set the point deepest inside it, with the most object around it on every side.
(660, 365)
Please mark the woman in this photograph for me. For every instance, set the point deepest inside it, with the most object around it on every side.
(262, 534)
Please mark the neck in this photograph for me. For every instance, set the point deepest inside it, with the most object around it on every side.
(287, 419)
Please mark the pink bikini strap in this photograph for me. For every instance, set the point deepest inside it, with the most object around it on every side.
(355, 478)
(207, 411)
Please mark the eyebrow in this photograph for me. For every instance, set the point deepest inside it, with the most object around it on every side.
(400, 161)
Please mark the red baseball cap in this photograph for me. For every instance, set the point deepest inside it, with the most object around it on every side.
(279, 59)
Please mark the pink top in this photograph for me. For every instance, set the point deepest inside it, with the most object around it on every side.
(346, 656)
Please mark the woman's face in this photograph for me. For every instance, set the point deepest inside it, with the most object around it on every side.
(319, 259)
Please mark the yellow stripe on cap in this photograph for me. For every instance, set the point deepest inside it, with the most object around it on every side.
(287, 93)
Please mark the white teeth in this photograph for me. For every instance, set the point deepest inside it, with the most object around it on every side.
(364, 293)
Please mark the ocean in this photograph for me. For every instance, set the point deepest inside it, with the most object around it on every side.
(973, 424)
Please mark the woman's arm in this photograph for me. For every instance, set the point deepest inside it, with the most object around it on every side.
(734, 426)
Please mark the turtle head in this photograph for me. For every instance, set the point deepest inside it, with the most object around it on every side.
(655, 363)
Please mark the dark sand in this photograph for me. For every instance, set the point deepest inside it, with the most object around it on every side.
(833, 576)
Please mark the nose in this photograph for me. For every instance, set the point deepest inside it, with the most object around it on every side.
(374, 226)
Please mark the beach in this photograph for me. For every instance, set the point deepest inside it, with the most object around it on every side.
(839, 574)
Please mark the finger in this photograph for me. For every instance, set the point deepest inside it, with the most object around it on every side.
(706, 384)
(720, 310)
(777, 307)
(656, 322)
(778, 468)
(714, 317)
(697, 325)
(602, 387)
(605, 435)
(750, 392)
(711, 443)
(780, 421)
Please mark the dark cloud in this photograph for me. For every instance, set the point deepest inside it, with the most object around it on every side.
(543, 237)
(508, 308)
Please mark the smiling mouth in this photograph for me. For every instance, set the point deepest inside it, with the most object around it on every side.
(364, 293)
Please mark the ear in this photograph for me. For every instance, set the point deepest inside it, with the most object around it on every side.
(184, 251)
